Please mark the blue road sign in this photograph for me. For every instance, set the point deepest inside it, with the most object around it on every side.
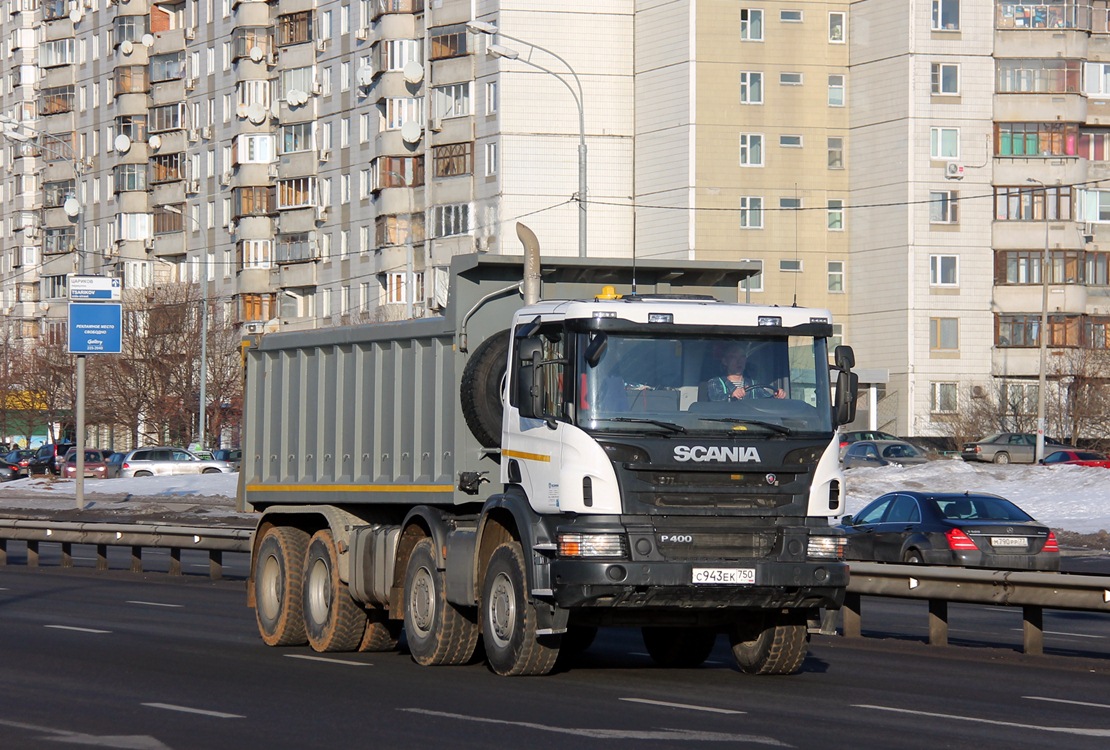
(95, 328)
(94, 288)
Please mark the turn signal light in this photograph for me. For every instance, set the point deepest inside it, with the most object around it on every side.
(958, 540)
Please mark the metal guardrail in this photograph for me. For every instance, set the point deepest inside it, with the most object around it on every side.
(940, 585)
(215, 540)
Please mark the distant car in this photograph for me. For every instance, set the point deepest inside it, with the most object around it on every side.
(8, 471)
(232, 456)
(20, 458)
(881, 453)
(96, 464)
(1076, 458)
(949, 528)
(164, 461)
(114, 465)
(48, 458)
(847, 438)
(1005, 448)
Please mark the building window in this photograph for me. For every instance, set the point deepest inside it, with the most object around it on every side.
(56, 101)
(253, 148)
(944, 270)
(54, 194)
(131, 79)
(836, 276)
(944, 143)
(399, 111)
(836, 91)
(395, 287)
(297, 137)
(835, 214)
(790, 141)
(453, 159)
(1036, 139)
(128, 177)
(946, 15)
(294, 248)
(790, 204)
(54, 287)
(753, 283)
(394, 54)
(449, 41)
(944, 333)
(942, 398)
(1017, 330)
(54, 53)
(294, 28)
(751, 25)
(946, 79)
(493, 95)
(252, 200)
(837, 23)
(450, 220)
(167, 117)
(132, 126)
(298, 192)
(751, 88)
(397, 172)
(453, 100)
(790, 79)
(943, 205)
(167, 167)
(246, 38)
(1045, 76)
(170, 67)
(751, 212)
(392, 231)
(1030, 203)
(1021, 399)
(491, 158)
(790, 266)
(836, 153)
(56, 240)
(751, 150)
(259, 307)
(790, 16)
(256, 253)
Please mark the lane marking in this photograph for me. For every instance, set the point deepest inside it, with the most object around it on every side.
(154, 604)
(327, 660)
(1059, 730)
(1060, 632)
(132, 742)
(1061, 700)
(684, 705)
(188, 710)
(79, 630)
(680, 735)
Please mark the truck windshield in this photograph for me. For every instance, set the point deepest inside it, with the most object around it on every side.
(724, 385)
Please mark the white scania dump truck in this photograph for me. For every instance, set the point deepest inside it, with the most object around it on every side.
(528, 470)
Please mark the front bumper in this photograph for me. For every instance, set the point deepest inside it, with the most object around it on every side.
(643, 584)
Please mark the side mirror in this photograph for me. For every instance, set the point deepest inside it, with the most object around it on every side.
(596, 349)
(847, 389)
(844, 357)
(846, 520)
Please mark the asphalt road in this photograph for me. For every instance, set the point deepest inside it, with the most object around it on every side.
(119, 660)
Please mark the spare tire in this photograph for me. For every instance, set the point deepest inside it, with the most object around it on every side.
(480, 389)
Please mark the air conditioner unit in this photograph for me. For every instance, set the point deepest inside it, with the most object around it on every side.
(271, 59)
(253, 328)
(362, 32)
(437, 124)
(148, 243)
(321, 45)
(190, 84)
(206, 132)
(192, 186)
(272, 170)
(17, 258)
(321, 213)
(325, 154)
(317, 88)
(190, 33)
(978, 391)
(225, 178)
(954, 170)
(193, 136)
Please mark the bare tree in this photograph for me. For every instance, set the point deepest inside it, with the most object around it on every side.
(225, 379)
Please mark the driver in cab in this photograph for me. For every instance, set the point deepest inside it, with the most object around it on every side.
(735, 383)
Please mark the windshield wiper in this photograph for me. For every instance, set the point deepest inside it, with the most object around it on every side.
(658, 423)
(759, 423)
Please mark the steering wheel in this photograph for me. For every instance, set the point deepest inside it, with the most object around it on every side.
(764, 390)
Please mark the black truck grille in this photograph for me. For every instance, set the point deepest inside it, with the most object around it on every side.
(703, 539)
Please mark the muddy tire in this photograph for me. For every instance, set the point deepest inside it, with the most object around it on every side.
(679, 647)
(381, 633)
(333, 620)
(480, 389)
(770, 644)
(278, 589)
(438, 632)
(509, 619)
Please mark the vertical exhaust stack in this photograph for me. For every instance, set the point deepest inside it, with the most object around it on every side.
(531, 263)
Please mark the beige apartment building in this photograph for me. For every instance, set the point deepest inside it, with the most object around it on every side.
(318, 162)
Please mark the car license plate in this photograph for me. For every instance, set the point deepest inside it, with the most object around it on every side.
(724, 576)
(1008, 541)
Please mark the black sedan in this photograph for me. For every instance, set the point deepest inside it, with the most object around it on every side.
(949, 528)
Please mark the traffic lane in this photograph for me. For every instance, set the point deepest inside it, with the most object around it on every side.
(190, 691)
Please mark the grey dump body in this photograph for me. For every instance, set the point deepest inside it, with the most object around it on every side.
(369, 414)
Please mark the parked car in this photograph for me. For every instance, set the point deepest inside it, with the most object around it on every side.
(114, 465)
(233, 457)
(19, 458)
(881, 453)
(1005, 448)
(48, 458)
(162, 461)
(853, 436)
(950, 528)
(1076, 458)
(96, 464)
(8, 471)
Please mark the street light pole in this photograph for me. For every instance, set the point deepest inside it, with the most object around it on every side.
(1042, 380)
(9, 128)
(497, 50)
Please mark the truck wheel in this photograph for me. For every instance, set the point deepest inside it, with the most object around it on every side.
(679, 647)
(509, 620)
(381, 633)
(278, 568)
(480, 389)
(775, 644)
(333, 620)
(438, 632)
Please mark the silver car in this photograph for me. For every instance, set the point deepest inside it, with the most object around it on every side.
(166, 461)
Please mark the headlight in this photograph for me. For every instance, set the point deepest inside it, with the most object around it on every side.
(592, 545)
(826, 547)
